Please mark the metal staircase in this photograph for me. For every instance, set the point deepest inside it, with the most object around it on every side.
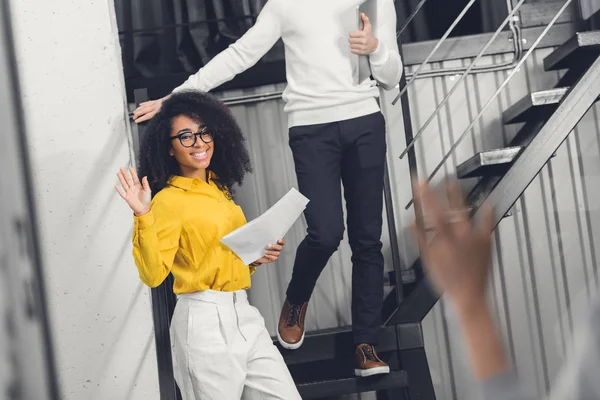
(504, 174)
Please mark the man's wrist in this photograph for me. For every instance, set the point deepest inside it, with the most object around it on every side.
(377, 46)
(380, 54)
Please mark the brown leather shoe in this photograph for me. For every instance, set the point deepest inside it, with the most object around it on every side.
(368, 363)
(290, 331)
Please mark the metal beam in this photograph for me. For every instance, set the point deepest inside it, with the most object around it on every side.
(575, 105)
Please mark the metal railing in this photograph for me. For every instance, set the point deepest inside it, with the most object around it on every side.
(513, 66)
(462, 78)
(488, 103)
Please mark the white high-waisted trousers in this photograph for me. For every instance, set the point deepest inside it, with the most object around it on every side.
(222, 351)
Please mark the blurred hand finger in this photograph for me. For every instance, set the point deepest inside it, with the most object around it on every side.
(455, 197)
(432, 207)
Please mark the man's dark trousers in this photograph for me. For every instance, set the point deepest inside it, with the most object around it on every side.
(351, 152)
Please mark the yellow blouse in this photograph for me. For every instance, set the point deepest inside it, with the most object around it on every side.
(182, 234)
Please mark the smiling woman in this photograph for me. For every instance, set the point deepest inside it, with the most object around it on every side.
(191, 157)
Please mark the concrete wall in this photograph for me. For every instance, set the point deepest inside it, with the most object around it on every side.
(73, 91)
(24, 344)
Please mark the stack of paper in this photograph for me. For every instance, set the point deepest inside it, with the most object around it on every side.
(250, 241)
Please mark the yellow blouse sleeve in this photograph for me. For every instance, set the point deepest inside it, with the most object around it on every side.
(155, 243)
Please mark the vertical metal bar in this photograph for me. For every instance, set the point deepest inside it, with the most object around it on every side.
(391, 221)
(414, 362)
(163, 304)
(27, 324)
(168, 39)
(128, 36)
(412, 164)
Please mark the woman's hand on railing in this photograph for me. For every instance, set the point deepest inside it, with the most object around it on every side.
(272, 253)
(137, 194)
(148, 109)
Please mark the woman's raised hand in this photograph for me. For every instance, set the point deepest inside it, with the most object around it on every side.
(137, 194)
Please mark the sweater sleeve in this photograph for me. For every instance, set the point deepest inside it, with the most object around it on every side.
(577, 380)
(155, 244)
(241, 55)
(386, 65)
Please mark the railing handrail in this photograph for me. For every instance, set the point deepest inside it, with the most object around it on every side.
(462, 78)
(435, 48)
(498, 91)
(443, 38)
(410, 18)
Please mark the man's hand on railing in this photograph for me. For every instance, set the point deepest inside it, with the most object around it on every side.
(148, 109)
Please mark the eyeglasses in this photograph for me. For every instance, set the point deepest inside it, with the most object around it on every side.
(188, 139)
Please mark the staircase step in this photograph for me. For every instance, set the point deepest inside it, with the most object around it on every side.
(581, 49)
(532, 104)
(523, 110)
(338, 343)
(488, 163)
(350, 385)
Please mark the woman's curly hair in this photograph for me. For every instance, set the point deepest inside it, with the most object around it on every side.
(230, 160)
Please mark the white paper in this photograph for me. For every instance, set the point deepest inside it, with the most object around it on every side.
(250, 241)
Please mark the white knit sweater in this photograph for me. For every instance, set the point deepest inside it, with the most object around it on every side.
(321, 83)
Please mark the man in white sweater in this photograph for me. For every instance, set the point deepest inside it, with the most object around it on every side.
(336, 133)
